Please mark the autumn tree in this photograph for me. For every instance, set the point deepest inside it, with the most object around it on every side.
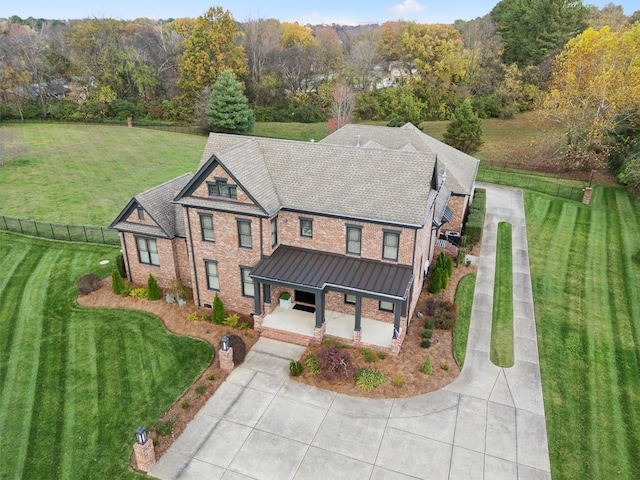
(209, 51)
(595, 87)
(342, 108)
(228, 110)
(532, 30)
(464, 130)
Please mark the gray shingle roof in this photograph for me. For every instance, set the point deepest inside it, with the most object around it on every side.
(330, 179)
(461, 168)
(157, 202)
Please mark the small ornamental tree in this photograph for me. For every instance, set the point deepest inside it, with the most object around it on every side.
(219, 313)
(436, 281)
(228, 110)
(342, 107)
(117, 285)
(153, 290)
(464, 131)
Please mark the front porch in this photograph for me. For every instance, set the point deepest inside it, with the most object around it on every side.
(299, 327)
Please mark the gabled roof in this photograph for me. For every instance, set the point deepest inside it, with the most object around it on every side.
(461, 168)
(157, 203)
(359, 183)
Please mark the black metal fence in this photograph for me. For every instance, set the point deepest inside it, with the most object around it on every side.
(165, 127)
(558, 187)
(69, 233)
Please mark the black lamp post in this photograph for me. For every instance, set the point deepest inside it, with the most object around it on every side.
(224, 343)
(141, 435)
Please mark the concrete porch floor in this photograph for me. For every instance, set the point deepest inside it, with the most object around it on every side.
(341, 325)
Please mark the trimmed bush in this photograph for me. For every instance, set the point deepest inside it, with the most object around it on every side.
(427, 368)
(122, 270)
(398, 381)
(427, 334)
(166, 427)
(369, 356)
(239, 349)
(436, 281)
(295, 368)
(425, 343)
(153, 290)
(335, 363)
(445, 315)
(88, 283)
(475, 220)
(367, 380)
(117, 284)
(312, 364)
(231, 320)
(219, 313)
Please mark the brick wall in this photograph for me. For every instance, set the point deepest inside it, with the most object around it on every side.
(165, 273)
(203, 190)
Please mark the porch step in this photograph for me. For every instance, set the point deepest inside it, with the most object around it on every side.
(289, 337)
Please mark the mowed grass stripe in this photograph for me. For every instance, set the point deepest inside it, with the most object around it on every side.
(502, 319)
(17, 406)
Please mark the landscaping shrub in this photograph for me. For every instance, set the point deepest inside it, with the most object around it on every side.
(211, 377)
(153, 290)
(88, 283)
(369, 379)
(117, 284)
(425, 343)
(335, 363)
(427, 334)
(444, 366)
(436, 281)
(201, 389)
(239, 349)
(192, 317)
(427, 368)
(312, 364)
(475, 220)
(138, 292)
(369, 356)
(185, 405)
(231, 320)
(382, 355)
(295, 368)
(443, 270)
(398, 381)
(166, 427)
(445, 315)
(219, 313)
(122, 270)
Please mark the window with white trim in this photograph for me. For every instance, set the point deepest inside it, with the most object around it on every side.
(350, 298)
(148, 251)
(213, 281)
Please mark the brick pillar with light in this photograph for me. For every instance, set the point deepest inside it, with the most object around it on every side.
(144, 451)
(226, 355)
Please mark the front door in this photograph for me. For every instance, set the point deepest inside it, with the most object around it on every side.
(305, 297)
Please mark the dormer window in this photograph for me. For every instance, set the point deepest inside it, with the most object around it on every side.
(220, 188)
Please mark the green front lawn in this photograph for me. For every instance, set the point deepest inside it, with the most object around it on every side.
(464, 301)
(75, 383)
(585, 266)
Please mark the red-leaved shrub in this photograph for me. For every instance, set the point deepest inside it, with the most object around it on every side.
(335, 363)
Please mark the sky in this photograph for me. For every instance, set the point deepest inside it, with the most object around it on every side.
(342, 12)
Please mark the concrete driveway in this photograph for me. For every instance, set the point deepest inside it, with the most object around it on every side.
(489, 423)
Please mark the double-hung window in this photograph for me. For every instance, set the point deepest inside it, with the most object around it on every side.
(247, 282)
(354, 239)
(386, 306)
(274, 231)
(206, 226)
(306, 227)
(244, 234)
(148, 251)
(213, 281)
(390, 243)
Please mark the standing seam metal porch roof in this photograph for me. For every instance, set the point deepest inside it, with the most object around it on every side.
(319, 270)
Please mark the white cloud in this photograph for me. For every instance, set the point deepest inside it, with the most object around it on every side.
(316, 18)
(405, 8)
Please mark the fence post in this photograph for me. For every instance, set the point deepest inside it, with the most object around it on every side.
(84, 229)
(35, 224)
(102, 232)
(4, 219)
(558, 190)
(53, 234)
(69, 232)
(20, 224)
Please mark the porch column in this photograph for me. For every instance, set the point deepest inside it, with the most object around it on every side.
(267, 293)
(358, 325)
(257, 304)
(396, 319)
(319, 309)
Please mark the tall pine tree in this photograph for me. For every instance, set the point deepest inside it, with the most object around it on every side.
(228, 110)
(464, 131)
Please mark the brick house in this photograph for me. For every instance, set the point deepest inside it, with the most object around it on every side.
(346, 226)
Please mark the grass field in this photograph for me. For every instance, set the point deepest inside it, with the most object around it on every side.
(75, 383)
(291, 131)
(464, 301)
(585, 265)
(502, 320)
(85, 174)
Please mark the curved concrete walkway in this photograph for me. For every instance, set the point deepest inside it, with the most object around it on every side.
(489, 423)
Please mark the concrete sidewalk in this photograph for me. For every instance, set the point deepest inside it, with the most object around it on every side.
(488, 423)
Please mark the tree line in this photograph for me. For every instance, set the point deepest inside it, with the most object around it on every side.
(521, 56)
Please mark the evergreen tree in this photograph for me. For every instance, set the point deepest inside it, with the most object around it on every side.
(228, 110)
(153, 290)
(436, 281)
(464, 131)
(117, 285)
(219, 313)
